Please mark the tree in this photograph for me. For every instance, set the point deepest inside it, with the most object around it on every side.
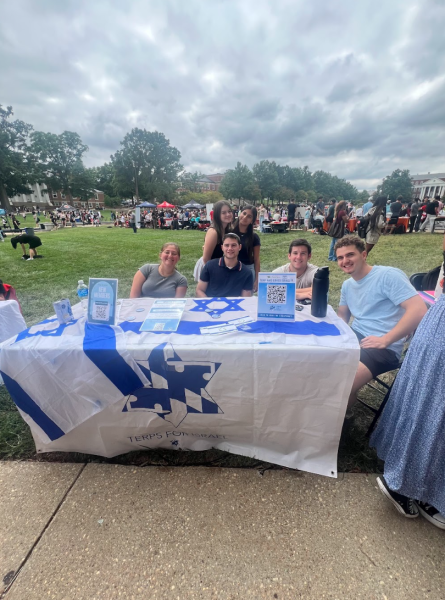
(239, 183)
(59, 162)
(190, 181)
(16, 163)
(200, 197)
(362, 197)
(283, 195)
(266, 177)
(104, 179)
(399, 183)
(311, 197)
(331, 186)
(147, 165)
(301, 197)
(82, 182)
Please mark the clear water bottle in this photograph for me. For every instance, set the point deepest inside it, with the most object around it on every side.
(82, 292)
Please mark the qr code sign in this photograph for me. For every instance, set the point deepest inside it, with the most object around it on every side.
(276, 294)
(158, 326)
(101, 312)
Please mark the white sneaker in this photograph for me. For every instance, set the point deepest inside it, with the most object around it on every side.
(29, 259)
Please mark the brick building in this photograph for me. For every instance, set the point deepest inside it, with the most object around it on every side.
(211, 183)
(46, 199)
(97, 201)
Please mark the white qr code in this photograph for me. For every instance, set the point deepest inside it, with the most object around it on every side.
(101, 312)
(158, 326)
(276, 294)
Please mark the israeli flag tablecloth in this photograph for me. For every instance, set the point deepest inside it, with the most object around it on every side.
(274, 391)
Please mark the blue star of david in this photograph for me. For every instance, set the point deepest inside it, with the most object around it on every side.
(175, 443)
(231, 305)
(176, 389)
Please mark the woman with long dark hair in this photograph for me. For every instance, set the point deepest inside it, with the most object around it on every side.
(250, 241)
(337, 229)
(377, 222)
(221, 224)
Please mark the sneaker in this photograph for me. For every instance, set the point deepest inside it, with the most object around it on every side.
(406, 506)
(29, 259)
(431, 514)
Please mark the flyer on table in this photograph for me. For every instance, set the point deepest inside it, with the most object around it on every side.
(164, 315)
(276, 296)
(102, 301)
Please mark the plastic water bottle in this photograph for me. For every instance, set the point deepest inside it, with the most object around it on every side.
(320, 290)
(82, 292)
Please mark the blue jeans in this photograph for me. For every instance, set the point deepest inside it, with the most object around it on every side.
(261, 224)
(331, 255)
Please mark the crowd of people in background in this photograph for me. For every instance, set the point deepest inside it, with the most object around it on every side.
(230, 267)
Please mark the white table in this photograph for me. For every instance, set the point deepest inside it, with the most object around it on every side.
(277, 392)
(11, 320)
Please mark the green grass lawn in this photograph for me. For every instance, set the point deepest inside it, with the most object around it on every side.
(83, 252)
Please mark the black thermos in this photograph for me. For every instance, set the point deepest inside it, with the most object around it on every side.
(320, 290)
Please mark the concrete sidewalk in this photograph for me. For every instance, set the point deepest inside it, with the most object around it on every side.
(76, 532)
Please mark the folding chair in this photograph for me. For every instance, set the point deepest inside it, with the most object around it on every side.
(388, 387)
(378, 411)
(424, 282)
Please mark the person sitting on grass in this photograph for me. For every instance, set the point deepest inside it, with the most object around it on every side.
(385, 308)
(300, 251)
(25, 239)
(160, 281)
(226, 277)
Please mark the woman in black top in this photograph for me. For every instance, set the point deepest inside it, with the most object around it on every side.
(32, 240)
(221, 224)
(250, 241)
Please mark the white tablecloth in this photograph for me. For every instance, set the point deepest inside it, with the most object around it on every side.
(11, 320)
(274, 391)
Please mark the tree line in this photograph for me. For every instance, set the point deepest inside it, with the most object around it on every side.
(147, 166)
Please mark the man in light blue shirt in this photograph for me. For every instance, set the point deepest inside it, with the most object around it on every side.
(367, 207)
(385, 308)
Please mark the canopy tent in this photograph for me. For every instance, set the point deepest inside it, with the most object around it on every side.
(67, 207)
(193, 204)
(146, 205)
(166, 205)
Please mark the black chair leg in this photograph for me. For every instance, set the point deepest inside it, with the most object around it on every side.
(379, 411)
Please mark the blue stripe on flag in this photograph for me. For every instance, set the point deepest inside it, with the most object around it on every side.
(56, 331)
(99, 345)
(28, 406)
(319, 329)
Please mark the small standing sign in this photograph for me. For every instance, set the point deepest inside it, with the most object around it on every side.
(276, 296)
(102, 301)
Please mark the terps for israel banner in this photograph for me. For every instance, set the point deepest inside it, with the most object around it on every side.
(277, 392)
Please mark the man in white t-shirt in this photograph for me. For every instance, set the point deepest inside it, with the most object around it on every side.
(385, 308)
(300, 252)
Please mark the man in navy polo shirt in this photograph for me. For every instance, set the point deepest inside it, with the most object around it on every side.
(225, 277)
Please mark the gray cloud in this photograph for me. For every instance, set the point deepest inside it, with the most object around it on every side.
(337, 86)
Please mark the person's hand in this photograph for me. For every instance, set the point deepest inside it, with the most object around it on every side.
(373, 341)
(303, 295)
(255, 286)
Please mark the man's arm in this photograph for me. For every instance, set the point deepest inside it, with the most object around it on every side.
(415, 310)
(303, 293)
(201, 289)
(344, 313)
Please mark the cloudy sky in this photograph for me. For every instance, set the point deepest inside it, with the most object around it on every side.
(356, 88)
